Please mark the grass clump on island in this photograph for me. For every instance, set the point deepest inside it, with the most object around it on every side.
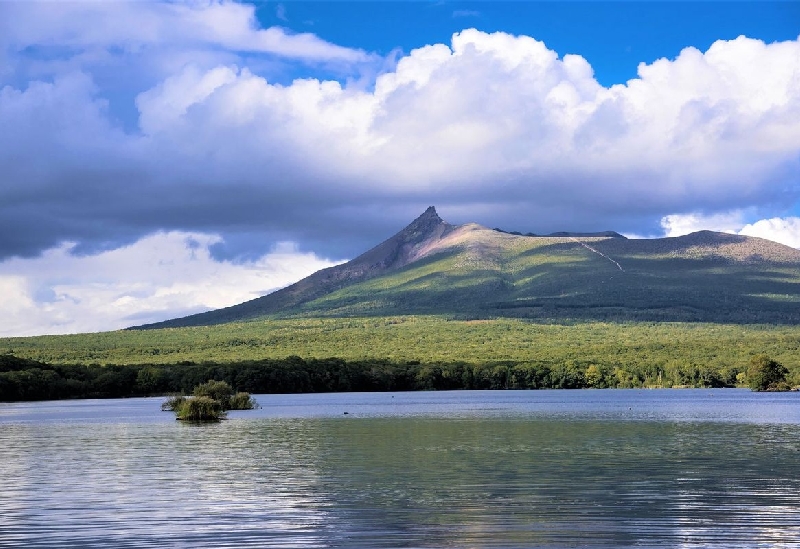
(210, 402)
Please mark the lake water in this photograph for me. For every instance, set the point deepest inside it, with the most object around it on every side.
(549, 469)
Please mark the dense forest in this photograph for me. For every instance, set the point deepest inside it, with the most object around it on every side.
(429, 340)
(22, 379)
(391, 354)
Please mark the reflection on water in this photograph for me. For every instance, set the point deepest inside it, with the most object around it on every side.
(462, 469)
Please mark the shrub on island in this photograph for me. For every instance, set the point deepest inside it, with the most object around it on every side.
(200, 408)
(172, 403)
(209, 402)
(243, 401)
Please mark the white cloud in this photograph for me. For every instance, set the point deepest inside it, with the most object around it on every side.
(683, 224)
(492, 117)
(136, 26)
(159, 277)
(702, 128)
(280, 12)
(163, 106)
(783, 230)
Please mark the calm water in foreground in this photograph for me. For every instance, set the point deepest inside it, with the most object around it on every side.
(609, 468)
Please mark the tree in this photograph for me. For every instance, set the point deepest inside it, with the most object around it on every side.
(149, 380)
(215, 390)
(594, 376)
(765, 374)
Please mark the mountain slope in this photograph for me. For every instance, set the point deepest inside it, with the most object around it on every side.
(407, 246)
(432, 267)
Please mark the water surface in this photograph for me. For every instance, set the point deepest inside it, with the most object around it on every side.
(608, 468)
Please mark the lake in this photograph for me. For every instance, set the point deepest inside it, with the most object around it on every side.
(473, 469)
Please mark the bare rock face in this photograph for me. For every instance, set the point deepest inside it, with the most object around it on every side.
(406, 246)
(398, 251)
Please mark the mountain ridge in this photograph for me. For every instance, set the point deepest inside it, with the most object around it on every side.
(397, 251)
(433, 267)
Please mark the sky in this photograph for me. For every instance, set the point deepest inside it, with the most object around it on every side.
(159, 159)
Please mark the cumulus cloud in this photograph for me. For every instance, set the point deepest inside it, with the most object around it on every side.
(501, 113)
(683, 224)
(494, 122)
(493, 128)
(158, 277)
(783, 230)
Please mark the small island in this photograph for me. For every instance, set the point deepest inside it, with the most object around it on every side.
(209, 402)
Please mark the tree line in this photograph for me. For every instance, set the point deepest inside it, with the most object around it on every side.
(27, 380)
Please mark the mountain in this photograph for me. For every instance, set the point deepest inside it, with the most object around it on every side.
(612, 234)
(470, 271)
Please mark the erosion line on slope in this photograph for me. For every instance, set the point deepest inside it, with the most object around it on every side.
(585, 245)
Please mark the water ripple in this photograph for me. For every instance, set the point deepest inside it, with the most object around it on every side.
(119, 474)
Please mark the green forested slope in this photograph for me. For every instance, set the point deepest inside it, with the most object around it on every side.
(637, 346)
(391, 353)
(560, 279)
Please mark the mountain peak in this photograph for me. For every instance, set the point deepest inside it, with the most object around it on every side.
(425, 223)
(431, 213)
(407, 245)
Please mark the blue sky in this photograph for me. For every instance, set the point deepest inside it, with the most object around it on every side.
(163, 158)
